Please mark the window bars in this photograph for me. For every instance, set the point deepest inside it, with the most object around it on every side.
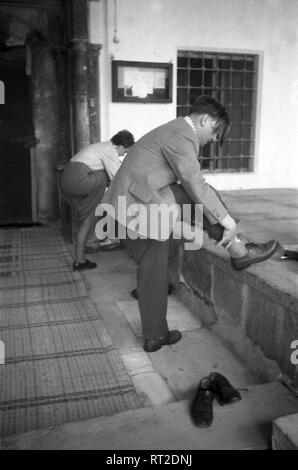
(232, 80)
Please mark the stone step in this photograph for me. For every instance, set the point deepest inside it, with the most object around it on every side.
(246, 424)
(247, 308)
(285, 433)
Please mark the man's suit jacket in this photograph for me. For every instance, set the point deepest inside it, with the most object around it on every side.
(160, 158)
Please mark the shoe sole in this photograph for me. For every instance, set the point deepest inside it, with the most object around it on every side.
(202, 425)
(152, 350)
(259, 260)
(84, 269)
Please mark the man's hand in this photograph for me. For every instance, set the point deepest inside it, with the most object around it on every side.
(230, 227)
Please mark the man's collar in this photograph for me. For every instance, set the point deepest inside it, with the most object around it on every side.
(190, 122)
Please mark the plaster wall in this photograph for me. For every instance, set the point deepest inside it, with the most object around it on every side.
(155, 30)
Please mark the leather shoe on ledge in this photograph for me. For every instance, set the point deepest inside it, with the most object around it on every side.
(202, 405)
(224, 391)
(256, 252)
(154, 344)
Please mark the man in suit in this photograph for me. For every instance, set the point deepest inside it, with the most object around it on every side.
(163, 168)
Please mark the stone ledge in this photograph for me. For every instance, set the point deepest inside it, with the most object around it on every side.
(254, 310)
(285, 433)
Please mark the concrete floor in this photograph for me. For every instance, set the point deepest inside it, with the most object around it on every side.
(167, 379)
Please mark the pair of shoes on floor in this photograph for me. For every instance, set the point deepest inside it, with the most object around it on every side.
(82, 266)
(256, 253)
(214, 386)
(154, 344)
(134, 292)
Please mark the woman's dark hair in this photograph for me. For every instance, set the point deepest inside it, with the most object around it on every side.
(208, 105)
(124, 138)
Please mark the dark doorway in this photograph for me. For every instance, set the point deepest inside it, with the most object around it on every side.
(16, 139)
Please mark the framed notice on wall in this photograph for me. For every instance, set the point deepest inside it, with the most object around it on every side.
(141, 82)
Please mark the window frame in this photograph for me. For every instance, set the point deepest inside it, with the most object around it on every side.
(248, 153)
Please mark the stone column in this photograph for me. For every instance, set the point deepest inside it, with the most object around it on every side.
(79, 72)
(93, 92)
(83, 61)
(65, 146)
(81, 125)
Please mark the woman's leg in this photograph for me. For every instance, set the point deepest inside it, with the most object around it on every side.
(85, 188)
(82, 236)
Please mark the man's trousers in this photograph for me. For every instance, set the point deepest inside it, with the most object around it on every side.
(152, 284)
(152, 273)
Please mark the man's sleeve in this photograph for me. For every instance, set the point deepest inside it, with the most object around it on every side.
(111, 165)
(181, 154)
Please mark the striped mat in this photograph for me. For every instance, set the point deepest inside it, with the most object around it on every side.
(60, 363)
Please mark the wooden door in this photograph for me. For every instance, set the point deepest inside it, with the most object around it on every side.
(16, 139)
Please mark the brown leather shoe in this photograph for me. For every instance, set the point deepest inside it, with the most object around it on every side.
(257, 252)
(172, 337)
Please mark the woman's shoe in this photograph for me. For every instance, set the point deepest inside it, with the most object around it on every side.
(224, 391)
(82, 266)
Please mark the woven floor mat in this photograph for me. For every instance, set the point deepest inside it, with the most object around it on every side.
(16, 264)
(33, 249)
(32, 235)
(26, 253)
(55, 341)
(27, 316)
(42, 393)
(60, 363)
(46, 293)
(38, 279)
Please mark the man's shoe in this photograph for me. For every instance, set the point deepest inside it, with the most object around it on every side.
(202, 405)
(151, 345)
(224, 391)
(256, 252)
(134, 292)
(86, 265)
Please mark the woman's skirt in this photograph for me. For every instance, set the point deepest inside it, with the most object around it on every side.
(83, 187)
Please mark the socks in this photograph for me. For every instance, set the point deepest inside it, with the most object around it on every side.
(236, 248)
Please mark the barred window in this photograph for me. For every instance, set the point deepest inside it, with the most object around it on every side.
(232, 80)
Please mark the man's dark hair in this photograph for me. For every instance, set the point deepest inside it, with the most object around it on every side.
(124, 138)
(207, 105)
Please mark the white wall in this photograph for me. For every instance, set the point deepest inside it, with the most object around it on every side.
(153, 30)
